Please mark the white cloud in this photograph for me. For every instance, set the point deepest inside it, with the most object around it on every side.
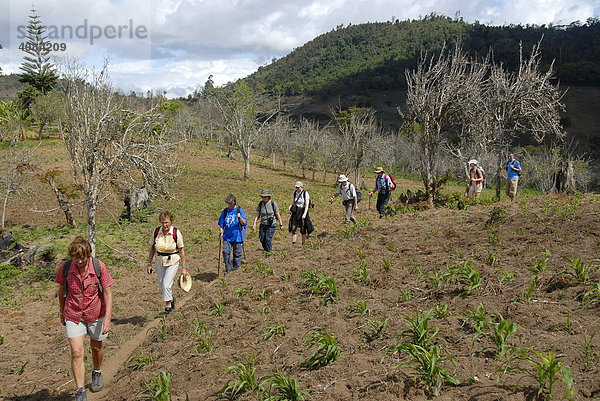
(187, 40)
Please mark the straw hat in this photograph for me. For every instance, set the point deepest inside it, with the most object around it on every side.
(185, 282)
(378, 170)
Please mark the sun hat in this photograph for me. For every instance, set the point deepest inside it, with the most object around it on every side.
(185, 282)
(472, 161)
(342, 178)
(299, 184)
(378, 170)
(265, 192)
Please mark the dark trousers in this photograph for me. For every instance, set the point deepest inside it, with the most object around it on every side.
(265, 235)
(383, 197)
(237, 248)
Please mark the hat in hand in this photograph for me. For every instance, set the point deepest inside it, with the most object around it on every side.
(185, 282)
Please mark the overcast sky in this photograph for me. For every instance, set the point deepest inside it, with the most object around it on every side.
(174, 45)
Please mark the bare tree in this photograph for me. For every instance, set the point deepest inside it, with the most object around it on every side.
(282, 133)
(14, 165)
(524, 103)
(108, 144)
(357, 126)
(439, 89)
(245, 112)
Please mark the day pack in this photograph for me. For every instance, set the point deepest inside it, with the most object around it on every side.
(482, 172)
(174, 239)
(96, 264)
(358, 193)
(303, 194)
(393, 186)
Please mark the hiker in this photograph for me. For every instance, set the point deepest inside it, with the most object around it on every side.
(383, 187)
(299, 216)
(475, 179)
(232, 224)
(167, 243)
(86, 302)
(349, 197)
(513, 172)
(268, 212)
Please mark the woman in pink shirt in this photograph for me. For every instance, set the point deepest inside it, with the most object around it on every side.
(85, 299)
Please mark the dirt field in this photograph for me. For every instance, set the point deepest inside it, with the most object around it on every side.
(395, 264)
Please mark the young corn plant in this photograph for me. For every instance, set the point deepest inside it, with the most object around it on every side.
(158, 333)
(417, 330)
(376, 329)
(442, 311)
(468, 277)
(500, 333)
(387, 264)
(593, 296)
(360, 307)
(361, 273)
(578, 270)
(282, 388)
(532, 286)
(591, 357)
(478, 320)
(205, 344)
(427, 363)
(321, 285)
(275, 330)
(545, 370)
(242, 292)
(216, 309)
(244, 379)
(326, 349)
(159, 388)
(490, 259)
(140, 361)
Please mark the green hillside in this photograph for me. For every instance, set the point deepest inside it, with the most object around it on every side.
(359, 58)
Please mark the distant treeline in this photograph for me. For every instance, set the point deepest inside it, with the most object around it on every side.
(359, 58)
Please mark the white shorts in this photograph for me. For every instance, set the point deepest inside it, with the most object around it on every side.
(93, 329)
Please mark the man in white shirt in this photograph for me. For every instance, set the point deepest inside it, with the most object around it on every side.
(349, 200)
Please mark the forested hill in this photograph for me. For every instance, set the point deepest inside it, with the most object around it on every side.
(358, 58)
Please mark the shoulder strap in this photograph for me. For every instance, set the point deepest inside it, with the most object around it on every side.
(156, 232)
(66, 268)
(96, 264)
(175, 235)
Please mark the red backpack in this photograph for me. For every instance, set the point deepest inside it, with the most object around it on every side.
(393, 186)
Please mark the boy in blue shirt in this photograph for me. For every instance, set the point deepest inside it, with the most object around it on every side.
(232, 224)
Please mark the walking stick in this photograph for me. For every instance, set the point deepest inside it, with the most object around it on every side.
(369, 212)
(219, 264)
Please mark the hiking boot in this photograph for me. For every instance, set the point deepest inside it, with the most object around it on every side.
(353, 219)
(168, 310)
(97, 382)
(80, 394)
(173, 304)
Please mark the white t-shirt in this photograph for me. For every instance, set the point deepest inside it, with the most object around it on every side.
(348, 191)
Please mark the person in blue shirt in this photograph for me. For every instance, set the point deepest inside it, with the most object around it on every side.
(383, 185)
(232, 224)
(513, 171)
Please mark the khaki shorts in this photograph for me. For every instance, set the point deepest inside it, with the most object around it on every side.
(474, 189)
(93, 329)
(511, 187)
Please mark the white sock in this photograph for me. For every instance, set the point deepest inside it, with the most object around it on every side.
(98, 370)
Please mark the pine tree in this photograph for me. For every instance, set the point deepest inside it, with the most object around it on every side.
(39, 74)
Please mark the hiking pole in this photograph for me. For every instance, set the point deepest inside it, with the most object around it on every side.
(219, 264)
(369, 212)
